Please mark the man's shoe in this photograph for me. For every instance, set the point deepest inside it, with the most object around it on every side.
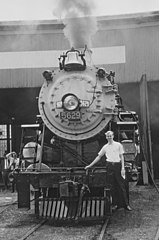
(128, 208)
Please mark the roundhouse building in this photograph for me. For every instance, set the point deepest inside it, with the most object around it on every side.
(125, 44)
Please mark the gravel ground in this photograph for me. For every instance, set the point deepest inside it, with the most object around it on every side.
(140, 224)
(66, 233)
(15, 223)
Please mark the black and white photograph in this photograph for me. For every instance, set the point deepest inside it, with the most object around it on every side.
(79, 120)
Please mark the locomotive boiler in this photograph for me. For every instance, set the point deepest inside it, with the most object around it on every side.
(78, 102)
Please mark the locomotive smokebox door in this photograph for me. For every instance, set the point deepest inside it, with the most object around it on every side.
(79, 102)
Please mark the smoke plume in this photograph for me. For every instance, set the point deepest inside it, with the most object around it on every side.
(79, 23)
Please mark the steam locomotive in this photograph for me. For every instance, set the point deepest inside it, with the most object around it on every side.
(78, 103)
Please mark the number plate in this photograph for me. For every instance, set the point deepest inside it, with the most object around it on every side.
(72, 116)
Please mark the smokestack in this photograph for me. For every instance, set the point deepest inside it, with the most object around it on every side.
(79, 23)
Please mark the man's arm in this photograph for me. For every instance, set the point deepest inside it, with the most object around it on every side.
(94, 162)
(9, 154)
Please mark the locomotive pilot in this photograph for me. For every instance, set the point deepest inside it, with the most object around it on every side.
(115, 170)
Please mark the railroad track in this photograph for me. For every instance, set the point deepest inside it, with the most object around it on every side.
(34, 229)
(29, 227)
(21, 224)
(41, 229)
(5, 206)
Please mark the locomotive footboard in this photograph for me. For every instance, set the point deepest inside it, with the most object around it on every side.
(89, 208)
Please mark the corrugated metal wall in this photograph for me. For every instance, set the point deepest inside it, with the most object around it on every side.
(141, 41)
(24, 38)
(139, 35)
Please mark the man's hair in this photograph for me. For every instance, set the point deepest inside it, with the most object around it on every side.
(109, 132)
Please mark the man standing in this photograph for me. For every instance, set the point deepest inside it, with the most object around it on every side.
(115, 169)
(5, 171)
(13, 163)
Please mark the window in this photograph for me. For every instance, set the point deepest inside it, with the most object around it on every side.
(5, 139)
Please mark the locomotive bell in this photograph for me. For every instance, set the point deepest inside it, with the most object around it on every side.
(72, 58)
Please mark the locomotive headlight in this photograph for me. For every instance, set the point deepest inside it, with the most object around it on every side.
(70, 102)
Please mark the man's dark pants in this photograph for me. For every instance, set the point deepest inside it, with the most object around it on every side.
(119, 185)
